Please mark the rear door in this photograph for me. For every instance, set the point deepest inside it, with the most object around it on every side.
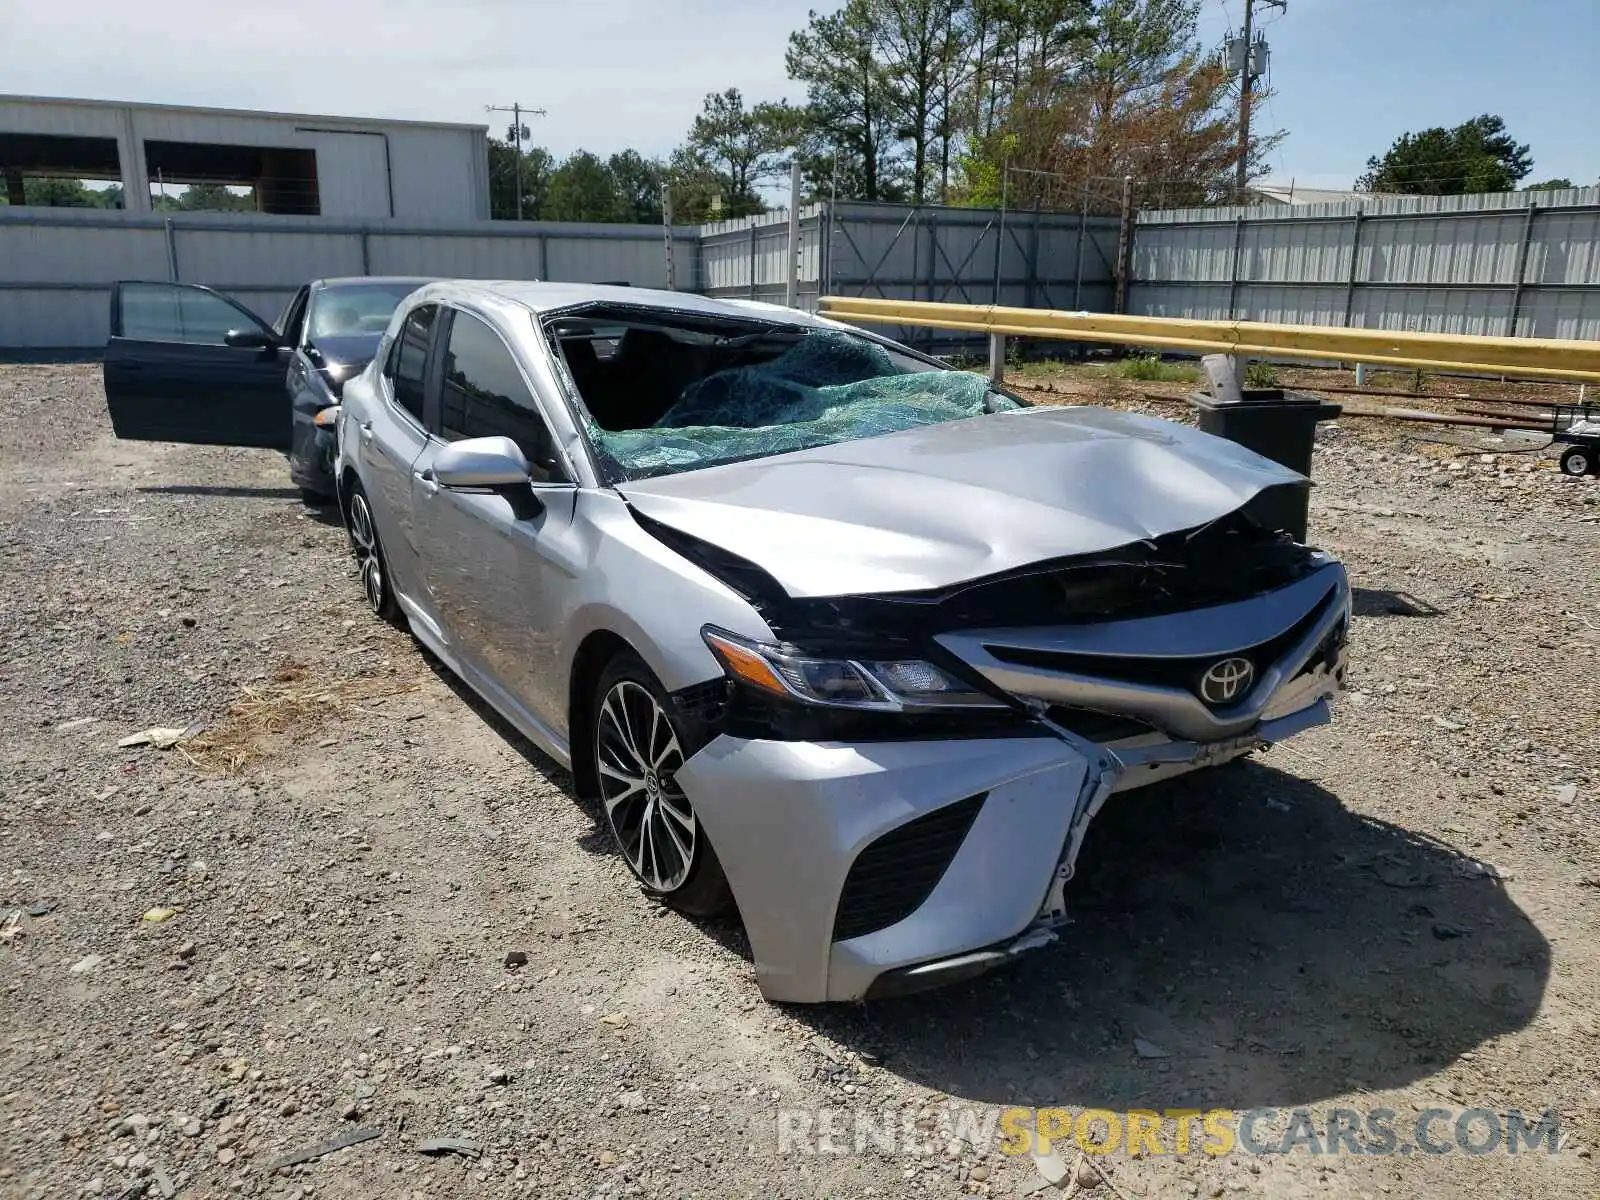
(188, 364)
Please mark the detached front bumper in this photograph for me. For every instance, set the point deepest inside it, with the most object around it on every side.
(886, 867)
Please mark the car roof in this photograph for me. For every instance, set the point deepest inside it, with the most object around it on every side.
(548, 297)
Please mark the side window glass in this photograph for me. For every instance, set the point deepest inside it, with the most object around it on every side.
(485, 396)
(408, 359)
(160, 312)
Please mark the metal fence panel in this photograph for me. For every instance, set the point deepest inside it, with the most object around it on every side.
(57, 265)
(1515, 262)
(233, 259)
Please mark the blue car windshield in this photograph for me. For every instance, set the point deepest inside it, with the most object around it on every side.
(661, 399)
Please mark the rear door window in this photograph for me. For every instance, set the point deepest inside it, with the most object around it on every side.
(485, 395)
(407, 367)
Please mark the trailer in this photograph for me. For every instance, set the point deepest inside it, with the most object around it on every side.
(1577, 427)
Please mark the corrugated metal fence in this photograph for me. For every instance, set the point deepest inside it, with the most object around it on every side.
(896, 251)
(1526, 264)
(57, 265)
(1512, 264)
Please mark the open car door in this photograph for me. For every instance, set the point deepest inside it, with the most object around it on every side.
(189, 364)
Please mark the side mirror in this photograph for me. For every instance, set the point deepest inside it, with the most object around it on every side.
(250, 339)
(486, 462)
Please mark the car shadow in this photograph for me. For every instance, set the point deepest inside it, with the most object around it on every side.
(1382, 602)
(323, 511)
(597, 840)
(1239, 939)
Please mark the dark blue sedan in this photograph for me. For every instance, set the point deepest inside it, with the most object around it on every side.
(188, 363)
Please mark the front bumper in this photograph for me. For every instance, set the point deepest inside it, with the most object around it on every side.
(312, 451)
(790, 819)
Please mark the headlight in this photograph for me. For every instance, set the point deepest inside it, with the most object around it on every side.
(328, 417)
(893, 685)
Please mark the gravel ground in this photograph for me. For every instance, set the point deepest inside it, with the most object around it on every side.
(1401, 910)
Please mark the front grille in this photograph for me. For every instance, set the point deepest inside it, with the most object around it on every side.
(1182, 673)
(891, 878)
(1327, 654)
(1097, 727)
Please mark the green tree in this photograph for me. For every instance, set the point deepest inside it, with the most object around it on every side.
(638, 181)
(918, 44)
(536, 166)
(850, 126)
(1549, 185)
(1475, 156)
(582, 189)
(699, 193)
(742, 146)
(58, 193)
(213, 197)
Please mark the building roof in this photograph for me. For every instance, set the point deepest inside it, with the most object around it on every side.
(376, 122)
(1291, 193)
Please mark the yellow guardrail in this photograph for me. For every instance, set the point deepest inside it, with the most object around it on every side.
(1527, 358)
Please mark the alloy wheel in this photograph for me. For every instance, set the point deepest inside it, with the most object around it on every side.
(638, 755)
(364, 541)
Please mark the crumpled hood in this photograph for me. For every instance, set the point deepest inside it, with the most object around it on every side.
(944, 504)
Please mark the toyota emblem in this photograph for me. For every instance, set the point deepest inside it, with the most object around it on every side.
(1226, 681)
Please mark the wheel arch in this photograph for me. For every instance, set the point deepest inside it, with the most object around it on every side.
(597, 649)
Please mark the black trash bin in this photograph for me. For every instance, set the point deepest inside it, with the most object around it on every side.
(1278, 425)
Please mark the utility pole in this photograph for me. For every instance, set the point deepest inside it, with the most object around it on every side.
(1242, 57)
(518, 132)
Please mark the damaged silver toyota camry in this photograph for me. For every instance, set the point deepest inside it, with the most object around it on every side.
(831, 633)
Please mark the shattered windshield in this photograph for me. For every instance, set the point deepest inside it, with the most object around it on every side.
(670, 394)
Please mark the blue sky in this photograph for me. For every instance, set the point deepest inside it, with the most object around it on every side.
(1349, 75)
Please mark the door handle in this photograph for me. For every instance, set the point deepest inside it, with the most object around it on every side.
(430, 485)
(366, 431)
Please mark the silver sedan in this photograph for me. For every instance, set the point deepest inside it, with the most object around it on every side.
(832, 634)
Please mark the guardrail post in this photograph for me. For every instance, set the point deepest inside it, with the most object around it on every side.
(997, 358)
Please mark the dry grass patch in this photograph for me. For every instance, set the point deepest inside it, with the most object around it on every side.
(299, 697)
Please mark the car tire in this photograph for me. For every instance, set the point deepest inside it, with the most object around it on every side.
(372, 567)
(312, 498)
(1577, 461)
(638, 747)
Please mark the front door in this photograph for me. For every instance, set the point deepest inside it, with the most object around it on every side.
(188, 364)
(500, 564)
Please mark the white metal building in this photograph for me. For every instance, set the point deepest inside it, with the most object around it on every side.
(350, 168)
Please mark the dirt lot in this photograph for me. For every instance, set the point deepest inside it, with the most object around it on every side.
(1401, 911)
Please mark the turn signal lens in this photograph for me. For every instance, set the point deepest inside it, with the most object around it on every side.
(842, 682)
(744, 663)
(328, 417)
